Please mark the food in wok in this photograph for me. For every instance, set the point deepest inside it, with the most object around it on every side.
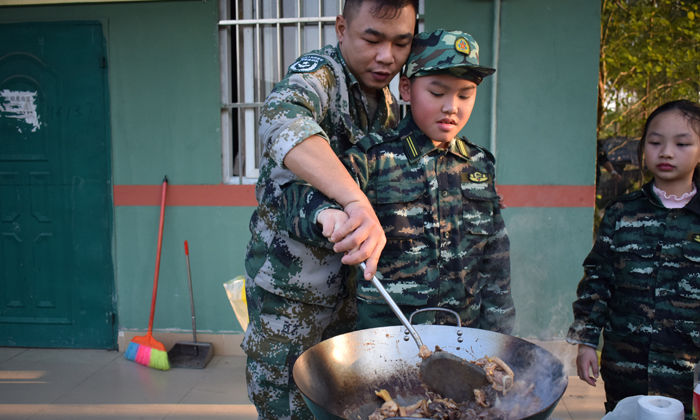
(503, 398)
(338, 377)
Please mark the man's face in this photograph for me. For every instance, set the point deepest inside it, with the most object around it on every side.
(375, 48)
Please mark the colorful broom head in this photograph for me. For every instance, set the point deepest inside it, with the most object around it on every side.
(145, 350)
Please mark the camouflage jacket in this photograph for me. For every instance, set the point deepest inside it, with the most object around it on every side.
(643, 273)
(318, 96)
(642, 288)
(446, 241)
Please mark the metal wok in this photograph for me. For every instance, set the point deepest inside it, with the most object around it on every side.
(338, 377)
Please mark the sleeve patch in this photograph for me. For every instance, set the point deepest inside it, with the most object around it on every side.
(307, 63)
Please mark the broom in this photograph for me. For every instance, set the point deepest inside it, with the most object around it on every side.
(145, 350)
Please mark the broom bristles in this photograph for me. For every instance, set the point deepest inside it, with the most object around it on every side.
(145, 350)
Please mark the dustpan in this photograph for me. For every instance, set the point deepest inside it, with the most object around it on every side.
(190, 354)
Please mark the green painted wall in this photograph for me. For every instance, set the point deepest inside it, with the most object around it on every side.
(547, 87)
(548, 92)
(548, 246)
(217, 247)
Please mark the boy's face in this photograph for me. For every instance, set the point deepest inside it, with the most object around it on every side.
(440, 104)
(375, 48)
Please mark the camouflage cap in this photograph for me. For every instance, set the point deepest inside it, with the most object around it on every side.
(446, 52)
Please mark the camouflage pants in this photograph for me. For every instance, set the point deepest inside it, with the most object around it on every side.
(630, 365)
(375, 315)
(280, 330)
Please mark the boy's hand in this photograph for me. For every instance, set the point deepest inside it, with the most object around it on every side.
(361, 237)
(501, 202)
(587, 359)
(330, 220)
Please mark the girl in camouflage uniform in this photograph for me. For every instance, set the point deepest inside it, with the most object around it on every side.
(642, 278)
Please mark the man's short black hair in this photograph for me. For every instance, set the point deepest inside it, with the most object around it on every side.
(385, 9)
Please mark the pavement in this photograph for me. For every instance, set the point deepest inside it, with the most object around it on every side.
(67, 384)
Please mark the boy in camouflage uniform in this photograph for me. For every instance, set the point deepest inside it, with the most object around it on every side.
(297, 293)
(434, 194)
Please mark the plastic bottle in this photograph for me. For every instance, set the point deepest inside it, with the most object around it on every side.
(696, 391)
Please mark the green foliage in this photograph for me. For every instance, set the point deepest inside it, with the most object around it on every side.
(649, 54)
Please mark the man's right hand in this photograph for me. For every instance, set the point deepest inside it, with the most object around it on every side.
(361, 237)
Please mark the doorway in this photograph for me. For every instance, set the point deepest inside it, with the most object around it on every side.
(56, 269)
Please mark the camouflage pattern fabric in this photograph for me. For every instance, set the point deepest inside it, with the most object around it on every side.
(318, 96)
(447, 244)
(446, 52)
(642, 290)
(280, 330)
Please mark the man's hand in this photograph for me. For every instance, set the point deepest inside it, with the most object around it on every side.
(361, 237)
(587, 359)
(330, 220)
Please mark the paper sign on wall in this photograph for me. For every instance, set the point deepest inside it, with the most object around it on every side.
(21, 106)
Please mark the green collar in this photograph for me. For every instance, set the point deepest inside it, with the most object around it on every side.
(348, 74)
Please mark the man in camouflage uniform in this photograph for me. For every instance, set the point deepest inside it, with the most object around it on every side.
(447, 244)
(297, 293)
(642, 290)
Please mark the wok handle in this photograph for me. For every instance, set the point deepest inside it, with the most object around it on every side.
(455, 314)
(382, 291)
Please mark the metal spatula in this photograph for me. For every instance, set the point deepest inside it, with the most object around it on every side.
(442, 372)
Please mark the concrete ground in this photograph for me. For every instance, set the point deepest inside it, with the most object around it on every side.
(57, 384)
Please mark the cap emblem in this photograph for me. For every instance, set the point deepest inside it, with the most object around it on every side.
(462, 45)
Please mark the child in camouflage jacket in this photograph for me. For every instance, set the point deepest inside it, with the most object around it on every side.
(642, 279)
(434, 194)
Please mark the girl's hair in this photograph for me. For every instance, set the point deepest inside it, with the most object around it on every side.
(689, 109)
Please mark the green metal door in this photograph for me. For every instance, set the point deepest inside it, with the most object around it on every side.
(56, 273)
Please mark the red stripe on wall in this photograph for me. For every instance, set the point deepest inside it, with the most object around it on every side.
(185, 195)
(547, 195)
(244, 195)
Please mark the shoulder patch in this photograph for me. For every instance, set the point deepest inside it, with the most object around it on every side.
(307, 63)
